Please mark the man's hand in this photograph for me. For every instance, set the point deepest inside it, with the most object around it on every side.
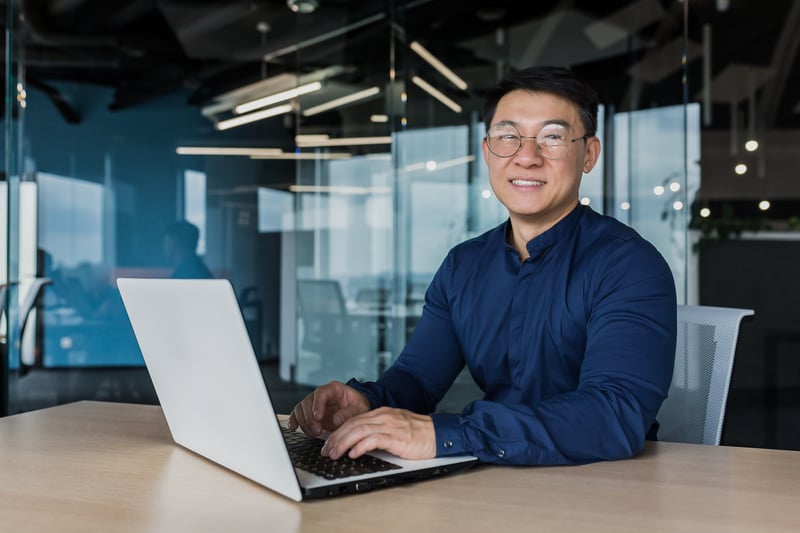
(327, 408)
(403, 433)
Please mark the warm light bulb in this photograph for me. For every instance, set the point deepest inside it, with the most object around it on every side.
(764, 205)
(740, 169)
(751, 145)
(705, 212)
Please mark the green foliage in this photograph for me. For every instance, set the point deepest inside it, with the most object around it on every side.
(728, 225)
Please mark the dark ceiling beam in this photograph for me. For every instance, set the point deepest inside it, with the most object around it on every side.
(129, 12)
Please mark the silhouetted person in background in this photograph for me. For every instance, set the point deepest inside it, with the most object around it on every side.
(180, 248)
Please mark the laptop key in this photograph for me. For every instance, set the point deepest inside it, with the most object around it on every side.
(305, 454)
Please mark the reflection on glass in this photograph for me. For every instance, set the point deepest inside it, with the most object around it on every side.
(650, 149)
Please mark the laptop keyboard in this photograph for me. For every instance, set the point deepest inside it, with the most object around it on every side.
(304, 452)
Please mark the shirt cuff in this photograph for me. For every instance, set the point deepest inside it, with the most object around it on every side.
(449, 439)
(366, 390)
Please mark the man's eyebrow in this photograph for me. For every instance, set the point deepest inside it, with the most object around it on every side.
(548, 122)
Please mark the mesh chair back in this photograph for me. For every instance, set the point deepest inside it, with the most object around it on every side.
(695, 408)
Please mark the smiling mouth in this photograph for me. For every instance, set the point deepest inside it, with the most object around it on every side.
(527, 183)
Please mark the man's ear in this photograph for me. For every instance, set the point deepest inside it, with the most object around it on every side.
(591, 154)
(485, 149)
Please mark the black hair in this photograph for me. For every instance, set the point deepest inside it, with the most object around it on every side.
(557, 81)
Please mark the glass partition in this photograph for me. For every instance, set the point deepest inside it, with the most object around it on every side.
(330, 214)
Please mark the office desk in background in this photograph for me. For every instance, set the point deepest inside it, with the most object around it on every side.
(93, 466)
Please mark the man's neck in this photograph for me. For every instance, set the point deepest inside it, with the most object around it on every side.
(524, 230)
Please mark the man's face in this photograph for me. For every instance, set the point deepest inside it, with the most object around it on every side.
(538, 191)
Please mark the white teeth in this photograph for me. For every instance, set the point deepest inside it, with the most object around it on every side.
(527, 182)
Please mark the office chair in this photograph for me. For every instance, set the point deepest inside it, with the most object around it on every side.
(695, 408)
(346, 344)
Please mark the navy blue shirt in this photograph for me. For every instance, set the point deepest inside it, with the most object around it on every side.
(573, 347)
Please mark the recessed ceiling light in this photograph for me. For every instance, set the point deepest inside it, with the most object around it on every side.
(303, 7)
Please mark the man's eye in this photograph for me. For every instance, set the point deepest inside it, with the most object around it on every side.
(509, 138)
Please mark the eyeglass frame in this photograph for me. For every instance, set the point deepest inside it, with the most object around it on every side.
(538, 146)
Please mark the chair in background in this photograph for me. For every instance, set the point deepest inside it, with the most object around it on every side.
(695, 408)
(346, 344)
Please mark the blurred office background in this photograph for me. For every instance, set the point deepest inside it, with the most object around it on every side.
(331, 201)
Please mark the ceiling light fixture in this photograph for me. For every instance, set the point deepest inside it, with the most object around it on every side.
(438, 165)
(257, 153)
(438, 65)
(319, 141)
(431, 90)
(340, 189)
(306, 155)
(253, 117)
(218, 150)
(302, 7)
(344, 100)
(265, 101)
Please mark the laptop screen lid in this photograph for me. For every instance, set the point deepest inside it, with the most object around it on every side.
(205, 373)
(204, 370)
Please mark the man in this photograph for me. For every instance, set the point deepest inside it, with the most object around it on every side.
(180, 248)
(565, 318)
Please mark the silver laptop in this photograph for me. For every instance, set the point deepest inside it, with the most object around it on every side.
(210, 387)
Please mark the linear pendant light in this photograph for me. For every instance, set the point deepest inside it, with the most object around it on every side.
(438, 65)
(338, 102)
(318, 141)
(252, 117)
(257, 153)
(431, 90)
(265, 101)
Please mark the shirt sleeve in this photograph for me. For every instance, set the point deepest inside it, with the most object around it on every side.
(624, 378)
(429, 363)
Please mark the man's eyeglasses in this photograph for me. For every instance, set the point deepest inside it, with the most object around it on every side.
(552, 142)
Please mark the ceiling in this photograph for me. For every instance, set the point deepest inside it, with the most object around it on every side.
(629, 50)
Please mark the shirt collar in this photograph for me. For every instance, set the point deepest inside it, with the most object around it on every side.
(562, 230)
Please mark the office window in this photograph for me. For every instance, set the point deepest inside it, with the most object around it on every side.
(194, 204)
(71, 220)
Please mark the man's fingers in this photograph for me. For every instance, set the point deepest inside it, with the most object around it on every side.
(345, 414)
(326, 408)
(405, 434)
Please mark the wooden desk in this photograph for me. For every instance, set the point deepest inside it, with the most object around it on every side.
(93, 466)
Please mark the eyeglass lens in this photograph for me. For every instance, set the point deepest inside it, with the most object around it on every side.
(553, 140)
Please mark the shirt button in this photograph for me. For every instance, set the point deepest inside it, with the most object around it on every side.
(448, 444)
(501, 453)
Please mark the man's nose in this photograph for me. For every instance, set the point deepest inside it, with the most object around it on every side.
(529, 148)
